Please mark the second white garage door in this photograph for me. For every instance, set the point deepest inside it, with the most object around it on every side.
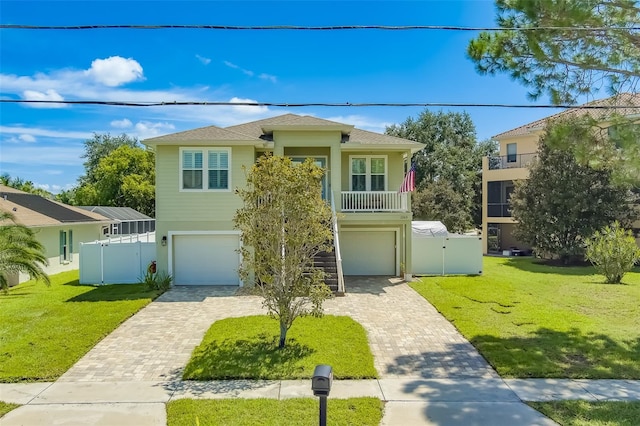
(368, 252)
(206, 259)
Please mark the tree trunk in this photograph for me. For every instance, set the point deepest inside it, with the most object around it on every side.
(283, 334)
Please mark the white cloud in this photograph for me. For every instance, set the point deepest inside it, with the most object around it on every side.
(234, 66)
(247, 110)
(269, 77)
(27, 138)
(205, 61)
(148, 129)
(125, 123)
(34, 131)
(115, 71)
(48, 95)
(43, 155)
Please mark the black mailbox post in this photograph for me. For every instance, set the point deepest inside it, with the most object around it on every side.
(321, 386)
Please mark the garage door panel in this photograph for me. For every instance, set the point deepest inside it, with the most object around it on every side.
(368, 252)
(206, 259)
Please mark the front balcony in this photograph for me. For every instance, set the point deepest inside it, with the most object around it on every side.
(512, 161)
(374, 201)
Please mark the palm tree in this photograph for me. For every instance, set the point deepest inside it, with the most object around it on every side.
(20, 251)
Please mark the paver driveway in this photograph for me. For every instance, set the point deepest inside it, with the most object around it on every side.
(408, 337)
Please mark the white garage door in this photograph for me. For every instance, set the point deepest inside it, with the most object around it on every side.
(368, 252)
(206, 259)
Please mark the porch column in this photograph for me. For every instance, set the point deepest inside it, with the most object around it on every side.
(335, 175)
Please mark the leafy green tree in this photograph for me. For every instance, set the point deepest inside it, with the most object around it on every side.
(613, 251)
(552, 53)
(123, 178)
(99, 147)
(284, 224)
(451, 155)
(439, 201)
(23, 185)
(563, 202)
(20, 251)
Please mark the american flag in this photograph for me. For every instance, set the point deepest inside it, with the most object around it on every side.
(409, 182)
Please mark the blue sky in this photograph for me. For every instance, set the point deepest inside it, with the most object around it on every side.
(44, 144)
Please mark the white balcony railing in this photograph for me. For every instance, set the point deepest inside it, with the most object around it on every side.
(374, 201)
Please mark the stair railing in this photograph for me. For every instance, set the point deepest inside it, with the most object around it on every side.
(336, 244)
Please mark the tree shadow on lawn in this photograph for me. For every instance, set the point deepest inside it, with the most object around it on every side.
(538, 266)
(112, 292)
(259, 358)
(562, 354)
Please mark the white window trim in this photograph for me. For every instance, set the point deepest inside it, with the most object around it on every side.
(368, 171)
(205, 168)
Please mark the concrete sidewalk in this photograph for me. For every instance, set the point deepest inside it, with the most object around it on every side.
(408, 401)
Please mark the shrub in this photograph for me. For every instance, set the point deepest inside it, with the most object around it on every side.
(613, 252)
(156, 281)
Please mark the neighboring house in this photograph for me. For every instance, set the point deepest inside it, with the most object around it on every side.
(58, 227)
(518, 148)
(198, 170)
(126, 220)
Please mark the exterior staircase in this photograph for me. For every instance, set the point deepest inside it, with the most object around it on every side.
(327, 262)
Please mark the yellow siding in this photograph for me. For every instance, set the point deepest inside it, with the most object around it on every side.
(395, 164)
(174, 205)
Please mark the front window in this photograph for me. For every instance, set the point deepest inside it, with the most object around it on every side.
(205, 169)
(369, 173)
(66, 246)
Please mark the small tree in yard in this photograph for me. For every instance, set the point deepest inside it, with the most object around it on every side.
(613, 252)
(285, 223)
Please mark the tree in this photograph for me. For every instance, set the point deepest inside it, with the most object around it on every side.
(451, 155)
(23, 185)
(20, 251)
(613, 251)
(565, 48)
(439, 201)
(123, 178)
(284, 224)
(563, 202)
(99, 147)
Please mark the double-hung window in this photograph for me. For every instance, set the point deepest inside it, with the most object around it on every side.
(512, 152)
(205, 169)
(368, 173)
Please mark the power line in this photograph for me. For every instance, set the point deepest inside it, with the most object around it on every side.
(315, 104)
(308, 28)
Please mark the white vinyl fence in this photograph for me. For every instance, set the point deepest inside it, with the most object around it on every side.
(454, 254)
(121, 260)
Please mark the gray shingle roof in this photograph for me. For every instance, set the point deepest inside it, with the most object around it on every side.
(632, 99)
(254, 131)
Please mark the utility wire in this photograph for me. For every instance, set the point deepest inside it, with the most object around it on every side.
(315, 104)
(309, 28)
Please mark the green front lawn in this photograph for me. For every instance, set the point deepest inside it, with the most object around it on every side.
(531, 320)
(45, 330)
(5, 407)
(270, 412)
(585, 413)
(247, 348)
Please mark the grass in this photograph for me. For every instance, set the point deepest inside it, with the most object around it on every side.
(247, 348)
(585, 413)
(269, 412)
(5, 407)
(45, 330)
(532, 320)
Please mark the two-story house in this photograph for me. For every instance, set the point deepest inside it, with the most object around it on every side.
(518, 148)
(198, 170)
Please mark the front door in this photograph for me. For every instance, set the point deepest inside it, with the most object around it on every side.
(320, 162)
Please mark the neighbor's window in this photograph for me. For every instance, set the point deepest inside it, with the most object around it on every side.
(368, 173)
(214, 162)
(66, 246)
(512, 151)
